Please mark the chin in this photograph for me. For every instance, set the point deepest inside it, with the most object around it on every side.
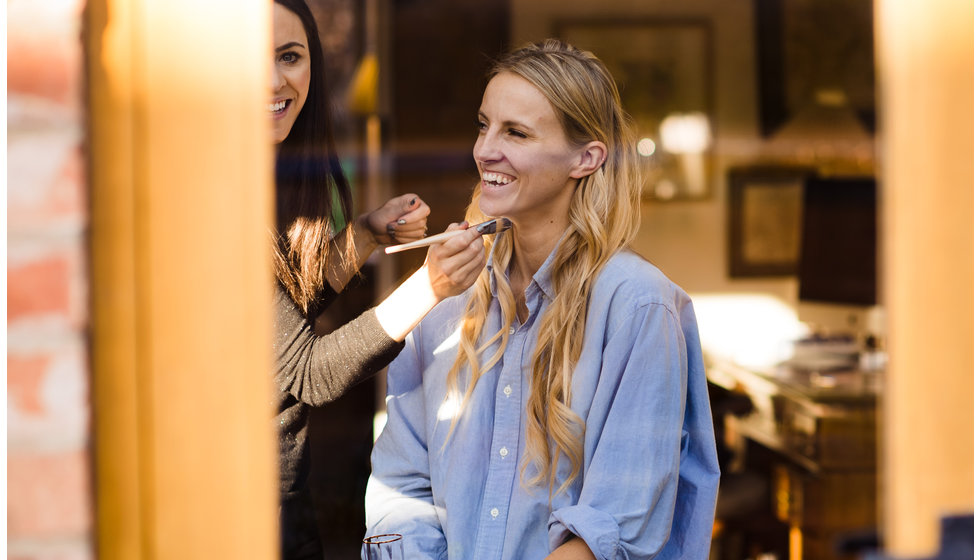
(494, 204)
(489, 208)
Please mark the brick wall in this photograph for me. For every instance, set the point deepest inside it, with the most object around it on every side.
(49, 501)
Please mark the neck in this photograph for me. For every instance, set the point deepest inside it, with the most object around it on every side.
(532, 245)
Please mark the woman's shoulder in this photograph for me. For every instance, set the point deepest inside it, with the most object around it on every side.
(631, 279)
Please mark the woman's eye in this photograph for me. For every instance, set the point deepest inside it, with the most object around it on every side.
(517, 133)
(289, 57)
(480, 125)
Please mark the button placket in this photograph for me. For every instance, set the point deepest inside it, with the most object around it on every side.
(507, 421)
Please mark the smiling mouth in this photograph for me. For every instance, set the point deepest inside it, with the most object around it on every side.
(279, 107)
(496, 179)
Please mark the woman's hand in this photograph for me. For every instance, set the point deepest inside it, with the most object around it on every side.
(450, 268)
(400, 220)
(455, 264)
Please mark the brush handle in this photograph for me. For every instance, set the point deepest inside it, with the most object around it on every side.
(486, 228)
(424, 242)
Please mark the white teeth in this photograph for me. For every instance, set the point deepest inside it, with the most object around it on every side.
(277, 106)
(496, 178)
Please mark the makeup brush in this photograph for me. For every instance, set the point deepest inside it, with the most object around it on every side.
(488, 227)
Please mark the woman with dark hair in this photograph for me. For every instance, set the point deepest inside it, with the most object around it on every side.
(319, 246)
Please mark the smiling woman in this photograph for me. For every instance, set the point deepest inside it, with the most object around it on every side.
(291, 71)
(558, 409)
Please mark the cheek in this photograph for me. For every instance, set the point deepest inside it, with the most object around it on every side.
(305, 85)
(300, 82)
(551, 167)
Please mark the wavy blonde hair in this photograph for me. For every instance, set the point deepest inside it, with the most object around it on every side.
(604, 217)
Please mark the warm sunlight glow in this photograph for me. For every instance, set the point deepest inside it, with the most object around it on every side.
(753, 330)
(685, 133)
(380, 419)
(450, 408)
(450, 343)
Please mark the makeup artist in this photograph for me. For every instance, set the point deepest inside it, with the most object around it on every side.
(315, 256)
(559, 408)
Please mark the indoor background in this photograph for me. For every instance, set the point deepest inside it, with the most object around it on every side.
(130, 163)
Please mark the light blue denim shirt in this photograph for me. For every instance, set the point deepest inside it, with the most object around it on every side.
(649, 480)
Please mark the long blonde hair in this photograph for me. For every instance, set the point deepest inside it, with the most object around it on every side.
(604, 218)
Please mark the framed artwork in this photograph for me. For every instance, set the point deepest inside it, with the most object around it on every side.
(664, 70)
(765, 209)
(814, 52)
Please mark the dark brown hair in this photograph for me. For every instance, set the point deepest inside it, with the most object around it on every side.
(313, 198)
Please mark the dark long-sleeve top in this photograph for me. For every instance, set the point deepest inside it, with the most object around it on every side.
(312, 370)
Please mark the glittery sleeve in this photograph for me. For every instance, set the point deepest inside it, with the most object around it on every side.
(318, 369)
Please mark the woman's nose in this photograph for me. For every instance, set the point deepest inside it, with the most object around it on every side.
(485, 149)
(278, 81)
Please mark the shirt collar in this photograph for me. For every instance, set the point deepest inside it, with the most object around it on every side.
(542, 278)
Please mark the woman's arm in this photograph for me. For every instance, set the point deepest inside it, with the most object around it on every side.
(649, 486)
(449, 269)
(399, 496)
(574, 549)
(318, 369)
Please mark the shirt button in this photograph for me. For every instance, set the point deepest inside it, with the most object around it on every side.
(494, 513)
(508, 390)
(511, 330)
(503, 451)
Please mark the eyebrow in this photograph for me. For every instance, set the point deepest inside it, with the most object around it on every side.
(289, 46)
(507, 124)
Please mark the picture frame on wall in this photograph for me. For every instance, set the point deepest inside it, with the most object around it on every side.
(765, 209)
(664, 70)
(814, 54)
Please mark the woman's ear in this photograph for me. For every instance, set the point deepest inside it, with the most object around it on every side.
(591, 157)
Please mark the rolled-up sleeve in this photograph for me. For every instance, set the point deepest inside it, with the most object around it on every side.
(644, 494)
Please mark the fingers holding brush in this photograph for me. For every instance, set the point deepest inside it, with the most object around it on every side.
(454, 264)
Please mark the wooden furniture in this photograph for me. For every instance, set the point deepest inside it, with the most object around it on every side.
(813, 435)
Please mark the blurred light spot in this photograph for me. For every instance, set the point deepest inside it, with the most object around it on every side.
(665, 189)
(753, 330)
(685, 133)
(646, 147)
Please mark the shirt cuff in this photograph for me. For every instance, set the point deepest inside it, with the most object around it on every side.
(597, 528)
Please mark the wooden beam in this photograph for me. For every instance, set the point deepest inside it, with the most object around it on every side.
(181, 200)
(925, 67)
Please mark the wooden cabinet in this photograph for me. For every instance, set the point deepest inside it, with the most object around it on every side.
(813, 436)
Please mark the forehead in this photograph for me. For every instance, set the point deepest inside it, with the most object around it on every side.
(511, 97)
(287, 26)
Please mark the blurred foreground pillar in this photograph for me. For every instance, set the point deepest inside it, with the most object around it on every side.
(181, 206)
(925, 68)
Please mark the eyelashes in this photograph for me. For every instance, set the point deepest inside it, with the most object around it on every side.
(482, 126)
(290, 57)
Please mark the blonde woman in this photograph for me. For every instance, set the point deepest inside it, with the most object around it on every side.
(558, 408)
